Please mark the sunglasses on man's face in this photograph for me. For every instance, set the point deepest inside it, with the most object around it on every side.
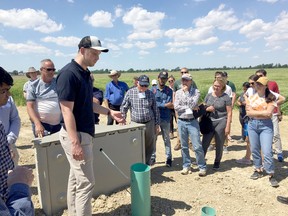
(144, 86)
(184, 72)
(49, 69)
(251, 83)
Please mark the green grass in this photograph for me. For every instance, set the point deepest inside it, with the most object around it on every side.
(203, 79)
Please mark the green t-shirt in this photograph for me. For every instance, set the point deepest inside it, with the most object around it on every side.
(231, 84)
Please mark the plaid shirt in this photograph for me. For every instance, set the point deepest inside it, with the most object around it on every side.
(142, 110)
(185, 100)
(6, 163)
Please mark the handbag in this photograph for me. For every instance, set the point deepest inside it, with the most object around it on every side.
(205, 124)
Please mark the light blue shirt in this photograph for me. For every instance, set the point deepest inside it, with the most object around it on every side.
(10, 120)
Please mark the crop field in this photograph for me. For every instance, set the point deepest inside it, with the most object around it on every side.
(203, 79)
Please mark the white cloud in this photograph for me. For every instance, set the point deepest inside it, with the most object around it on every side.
(269, 1)
(177, 50)
(58, 53)
(187, 37)
(63, 41)
(70, 1)
(24, 48)
(230, 46)
(255, 57)
(143, 52)
(118, 11)
(274, 33)
(142, 20)
(99, 19)
(152, 35)
(112, 46)
(219, 18)
(127, 45)
(28, 18)
(145, 45)
(208, 53)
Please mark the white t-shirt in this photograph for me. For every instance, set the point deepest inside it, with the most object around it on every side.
(228, 90)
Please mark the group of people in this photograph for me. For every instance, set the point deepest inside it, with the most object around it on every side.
(69, 103)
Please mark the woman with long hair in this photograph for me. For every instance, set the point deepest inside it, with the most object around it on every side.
(259, 107)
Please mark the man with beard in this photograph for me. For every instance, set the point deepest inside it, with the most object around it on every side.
(164, 95)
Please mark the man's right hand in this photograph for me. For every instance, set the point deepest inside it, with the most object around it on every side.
(77, 152)
(39, 130)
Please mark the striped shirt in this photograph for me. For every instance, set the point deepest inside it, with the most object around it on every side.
(142, 107)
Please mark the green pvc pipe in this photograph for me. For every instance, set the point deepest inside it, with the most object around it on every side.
(208, 211)
(140, 190)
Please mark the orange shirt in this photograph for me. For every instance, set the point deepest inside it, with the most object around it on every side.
(258, 103)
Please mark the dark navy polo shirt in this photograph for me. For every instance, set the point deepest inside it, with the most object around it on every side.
(74, 84)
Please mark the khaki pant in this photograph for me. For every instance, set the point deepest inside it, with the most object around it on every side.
(81, 177)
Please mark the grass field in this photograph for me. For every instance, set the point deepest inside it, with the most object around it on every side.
(203, 79)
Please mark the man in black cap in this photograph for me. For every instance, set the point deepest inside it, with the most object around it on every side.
(143, 109)
(75, 92)
(164, 96)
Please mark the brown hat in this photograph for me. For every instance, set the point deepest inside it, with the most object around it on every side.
(263, 80)
(114, 72)
(31, 70)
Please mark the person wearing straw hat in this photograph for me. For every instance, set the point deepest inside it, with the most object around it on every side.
(32, 74)
(114, 93)
(75, 93)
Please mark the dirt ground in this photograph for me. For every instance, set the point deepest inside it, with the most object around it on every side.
(230, 190)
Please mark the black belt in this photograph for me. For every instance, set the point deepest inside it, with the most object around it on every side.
(187, 120)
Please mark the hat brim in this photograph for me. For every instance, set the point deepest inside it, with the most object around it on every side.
(102, 49)
(110, 75)
(28, 73)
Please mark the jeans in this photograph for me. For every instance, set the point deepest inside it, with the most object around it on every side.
(165, 129)
(276, 137)
(260, 134)
(186, 129)
(81, 177)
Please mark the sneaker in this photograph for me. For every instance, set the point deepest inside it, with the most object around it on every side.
(186, 170)
(244, 161)
(211, 148)
(230, 138)
(225, 150)
(216, 166)
(177, 147)
(171, 135)
(273, 181)
(152, 161)
(256, 175)
(169, 163)
(202, 173)
(282, 199)
(280, 157)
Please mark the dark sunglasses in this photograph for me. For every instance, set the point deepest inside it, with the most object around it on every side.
(170, 81)
(184, 72)
(251, 83)
(50, 69)
(146, 86)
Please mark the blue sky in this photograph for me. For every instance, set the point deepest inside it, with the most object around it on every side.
(145, 34)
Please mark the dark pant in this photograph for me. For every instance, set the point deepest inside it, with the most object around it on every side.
(49, 128)
(172, 117)
(110, 120)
